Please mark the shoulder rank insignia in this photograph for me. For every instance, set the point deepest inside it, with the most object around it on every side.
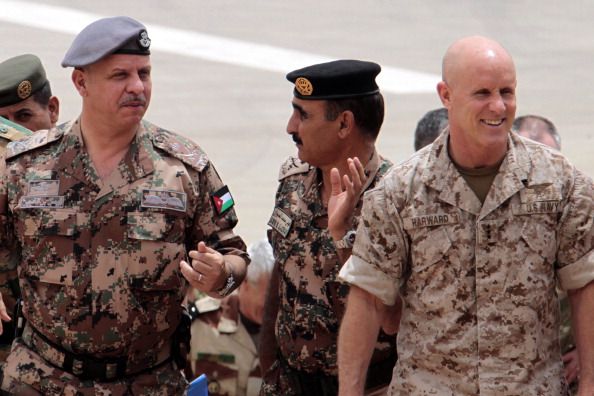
(292, 166)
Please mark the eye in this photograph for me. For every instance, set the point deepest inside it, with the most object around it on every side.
(23, 117)
(482, 93)
(144, 74)
(119, 75)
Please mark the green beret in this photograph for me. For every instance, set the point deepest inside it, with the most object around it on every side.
(106, 36)
(20, 77)
(339, 79)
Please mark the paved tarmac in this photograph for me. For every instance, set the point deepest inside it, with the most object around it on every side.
(219, 66)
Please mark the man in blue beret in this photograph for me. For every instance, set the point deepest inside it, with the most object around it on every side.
(107, 212)
(26, 96)
(337, 114)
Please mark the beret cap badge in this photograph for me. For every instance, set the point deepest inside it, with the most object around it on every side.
(143, 39)
(303, 86)
(24, 89)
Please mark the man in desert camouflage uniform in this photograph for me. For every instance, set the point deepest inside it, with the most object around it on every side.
(226, 333)
(103, 211)
(26, 104)
(473, 233)
(338, 112)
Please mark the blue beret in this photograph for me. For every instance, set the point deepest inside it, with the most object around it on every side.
(345, 78)
(116, 35)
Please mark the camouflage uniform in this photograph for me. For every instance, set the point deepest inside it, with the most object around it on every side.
(481, 314)
(9, 287)
(312, 300)
(99, 258)
(224, 349)
(566, 334)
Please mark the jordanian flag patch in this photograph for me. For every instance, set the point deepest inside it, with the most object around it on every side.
(222, 199)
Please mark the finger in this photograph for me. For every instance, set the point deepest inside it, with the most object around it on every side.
(349, 186)
(188, 272)
(360, 169)
(202, 248)
(205, 262)
(3, 314)
(335, 181)
(357, 175)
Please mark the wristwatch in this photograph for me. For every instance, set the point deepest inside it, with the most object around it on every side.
(347, 240)
(227, 286)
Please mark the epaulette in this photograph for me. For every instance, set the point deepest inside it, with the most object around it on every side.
(38, 139)
(179, 147)
(293, 166)
(11, 131)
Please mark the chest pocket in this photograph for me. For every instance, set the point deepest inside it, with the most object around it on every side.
(428, 246)
(48, 244)
(433, 274)
(156, 242)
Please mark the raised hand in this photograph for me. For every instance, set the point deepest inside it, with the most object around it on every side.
(344, 197)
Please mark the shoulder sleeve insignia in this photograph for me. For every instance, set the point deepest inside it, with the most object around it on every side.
(179, 147)
(293, 166)
(222, 199)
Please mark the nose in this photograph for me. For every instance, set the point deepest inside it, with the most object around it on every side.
(135, 85)
(292, 124)
(497, 105)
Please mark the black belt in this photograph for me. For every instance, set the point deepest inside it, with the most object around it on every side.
(87, 367)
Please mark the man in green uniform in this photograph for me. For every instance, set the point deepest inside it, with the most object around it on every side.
(25, 94)
(26, 105)
(104, 212)
(337, 114)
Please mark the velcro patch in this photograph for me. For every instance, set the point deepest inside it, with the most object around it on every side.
(281, 222)
(40, 188)
(430, 220)
(28, 202)
(222, 199)
(163, 199)
(536, 207)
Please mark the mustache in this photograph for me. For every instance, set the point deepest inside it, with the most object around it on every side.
(133, 99)
(296, 139)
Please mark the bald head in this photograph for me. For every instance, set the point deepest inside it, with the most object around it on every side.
(469, 52)
(479, 91)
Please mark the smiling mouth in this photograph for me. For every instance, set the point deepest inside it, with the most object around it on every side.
(493, 122)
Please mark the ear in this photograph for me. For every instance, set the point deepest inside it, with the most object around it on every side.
(347, 123)
(54, 109)
(443, 90)
(79, 78)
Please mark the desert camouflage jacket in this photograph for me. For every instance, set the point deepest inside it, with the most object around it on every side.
(481, 313)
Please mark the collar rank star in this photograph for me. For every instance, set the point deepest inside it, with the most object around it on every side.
(222, 199)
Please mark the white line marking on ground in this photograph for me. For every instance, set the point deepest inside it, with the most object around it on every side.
(205, 46)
